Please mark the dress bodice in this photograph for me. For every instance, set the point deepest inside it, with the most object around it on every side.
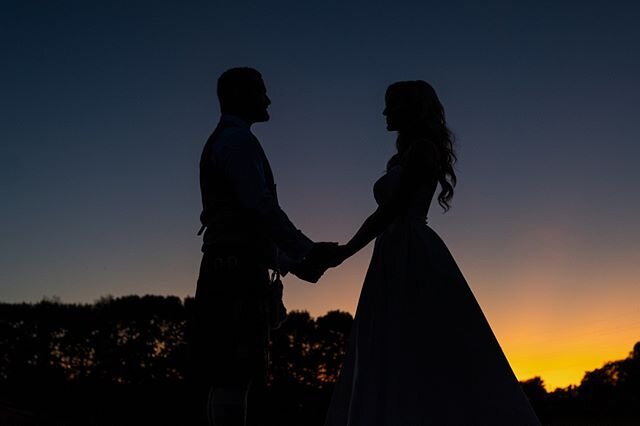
(421, 196)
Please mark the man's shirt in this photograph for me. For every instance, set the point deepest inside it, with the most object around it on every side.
(240, 202)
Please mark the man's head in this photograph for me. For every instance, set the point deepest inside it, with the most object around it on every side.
(241, 92)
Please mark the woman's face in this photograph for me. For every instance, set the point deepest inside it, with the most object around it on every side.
(394, 110)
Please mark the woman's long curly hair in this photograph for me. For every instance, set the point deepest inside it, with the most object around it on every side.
(420, 118)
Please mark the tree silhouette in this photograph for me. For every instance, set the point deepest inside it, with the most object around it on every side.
(122, 361)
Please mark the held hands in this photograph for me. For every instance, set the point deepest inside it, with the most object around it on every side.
(323, 255)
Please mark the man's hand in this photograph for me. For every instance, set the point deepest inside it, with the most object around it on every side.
(322, 256)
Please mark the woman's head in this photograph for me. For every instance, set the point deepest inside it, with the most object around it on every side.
(412, 108)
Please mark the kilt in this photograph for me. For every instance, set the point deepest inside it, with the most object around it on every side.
(230, 328)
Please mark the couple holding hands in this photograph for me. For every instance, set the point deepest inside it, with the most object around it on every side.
(421, 351)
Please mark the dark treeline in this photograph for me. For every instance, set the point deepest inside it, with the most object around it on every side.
(123, 361)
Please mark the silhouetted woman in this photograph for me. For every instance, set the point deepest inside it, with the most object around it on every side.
(421, 351)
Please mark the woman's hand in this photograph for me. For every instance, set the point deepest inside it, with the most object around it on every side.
(337, 255)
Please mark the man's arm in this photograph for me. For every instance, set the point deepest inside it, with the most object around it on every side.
(245, 169)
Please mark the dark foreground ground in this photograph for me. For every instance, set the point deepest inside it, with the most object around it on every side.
(124, 405)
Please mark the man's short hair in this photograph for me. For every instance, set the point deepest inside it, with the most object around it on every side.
(235, 83)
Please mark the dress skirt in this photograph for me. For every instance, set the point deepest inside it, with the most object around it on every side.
(421, 351)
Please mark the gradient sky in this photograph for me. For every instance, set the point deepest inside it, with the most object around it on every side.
(106, 105)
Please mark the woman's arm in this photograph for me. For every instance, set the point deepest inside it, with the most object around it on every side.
(370, 229)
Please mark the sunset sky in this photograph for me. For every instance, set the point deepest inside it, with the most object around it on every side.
(106, 105)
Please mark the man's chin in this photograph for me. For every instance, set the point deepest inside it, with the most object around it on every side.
(264, 117)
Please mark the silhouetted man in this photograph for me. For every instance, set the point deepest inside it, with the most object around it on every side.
(246, 234)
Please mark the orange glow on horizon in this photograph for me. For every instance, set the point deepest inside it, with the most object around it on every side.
(557, 308)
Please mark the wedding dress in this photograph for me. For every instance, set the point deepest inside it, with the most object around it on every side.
(421, 351)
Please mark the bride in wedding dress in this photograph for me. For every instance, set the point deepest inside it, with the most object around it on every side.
(421, 351)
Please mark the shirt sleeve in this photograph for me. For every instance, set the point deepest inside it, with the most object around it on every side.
(245, 169)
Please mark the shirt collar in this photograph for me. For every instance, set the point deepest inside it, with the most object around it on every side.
(234, 119)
